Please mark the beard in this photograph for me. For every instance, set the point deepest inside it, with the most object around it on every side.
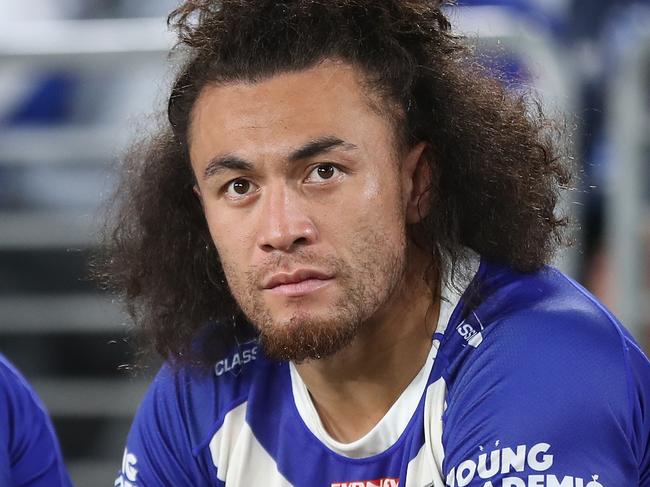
(365, 283)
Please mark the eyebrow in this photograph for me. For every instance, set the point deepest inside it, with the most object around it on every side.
(224, 163)
(312, 148)
(320, 146)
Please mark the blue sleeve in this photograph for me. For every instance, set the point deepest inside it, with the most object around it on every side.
(549, 398)
(639, 387)
(29, 451)
(159, 450)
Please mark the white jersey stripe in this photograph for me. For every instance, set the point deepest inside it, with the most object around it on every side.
(239, 457)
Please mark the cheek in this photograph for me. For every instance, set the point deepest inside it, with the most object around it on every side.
(380, 205)
(230, 238)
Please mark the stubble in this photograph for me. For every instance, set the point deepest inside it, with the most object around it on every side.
(374, 273)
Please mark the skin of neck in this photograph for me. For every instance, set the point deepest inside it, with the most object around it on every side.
(353, 389)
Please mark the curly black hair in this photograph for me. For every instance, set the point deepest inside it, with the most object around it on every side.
(496, 168)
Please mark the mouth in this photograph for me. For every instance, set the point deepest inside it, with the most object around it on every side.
(297, 283)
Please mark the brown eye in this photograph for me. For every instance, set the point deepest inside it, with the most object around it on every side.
(238, 188)
(241, 186)
(325, 171)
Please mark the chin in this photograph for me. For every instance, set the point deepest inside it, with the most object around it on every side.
(304, 337)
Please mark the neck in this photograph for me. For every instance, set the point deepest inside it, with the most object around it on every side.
(353, 389)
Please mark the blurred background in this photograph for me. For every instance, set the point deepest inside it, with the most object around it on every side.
(79, 79)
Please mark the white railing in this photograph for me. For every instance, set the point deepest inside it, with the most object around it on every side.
(83, 42)
(627, 212)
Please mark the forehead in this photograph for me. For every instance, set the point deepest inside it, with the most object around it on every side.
(331, 98)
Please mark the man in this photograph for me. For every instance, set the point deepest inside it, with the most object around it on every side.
(338, 243)
(29, 450)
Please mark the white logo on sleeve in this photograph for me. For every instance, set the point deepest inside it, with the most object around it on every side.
(502, 463)
(470, 335)
(234, 363)
(471, 332)
(128, 475)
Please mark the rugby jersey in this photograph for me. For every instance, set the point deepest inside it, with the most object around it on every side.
(529, 382)
(29, 450)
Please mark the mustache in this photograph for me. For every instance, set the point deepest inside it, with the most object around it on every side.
(286, 263)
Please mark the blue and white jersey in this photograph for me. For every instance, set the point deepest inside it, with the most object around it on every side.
(29, 451)
(529, 382)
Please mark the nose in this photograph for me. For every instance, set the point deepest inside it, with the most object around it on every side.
(284, 225)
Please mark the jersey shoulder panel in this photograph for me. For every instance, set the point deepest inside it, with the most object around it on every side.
(551, 374)
(180, 413)
(639, 389)
(29, 450)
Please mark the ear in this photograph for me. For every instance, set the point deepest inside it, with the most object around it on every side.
(416, 178)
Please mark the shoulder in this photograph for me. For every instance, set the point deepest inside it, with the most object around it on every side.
(552, 367)
(544, 333)
(538, 317)
(557, 333)
(183, 410)
(190, 402)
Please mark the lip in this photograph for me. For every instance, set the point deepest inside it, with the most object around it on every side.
(297, 283)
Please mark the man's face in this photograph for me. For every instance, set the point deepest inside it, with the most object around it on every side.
(304, 199)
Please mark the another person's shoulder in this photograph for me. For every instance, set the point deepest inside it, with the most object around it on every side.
(10, 379)
(29, 450)
(17, 397)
